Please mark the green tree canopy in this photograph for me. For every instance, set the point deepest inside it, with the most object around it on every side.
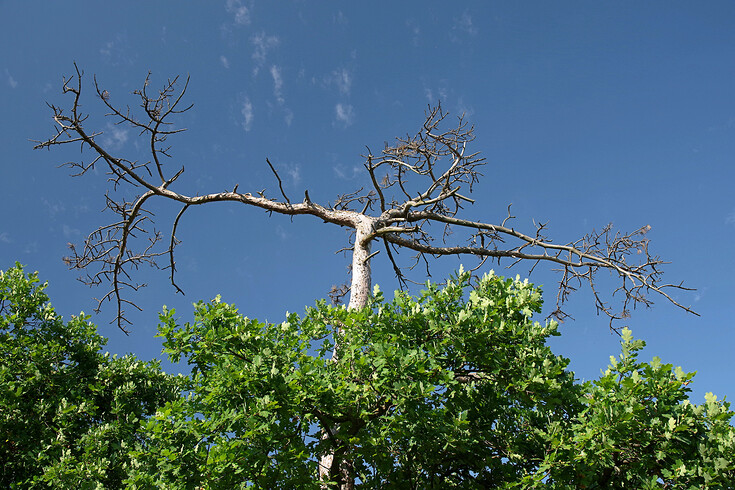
(454, 388)
(437, 391)
(69, 414)
(639, 430)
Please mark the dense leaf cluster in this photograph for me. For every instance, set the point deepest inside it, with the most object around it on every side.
(455, 388)
(433, 391)
(639, 430)
(69, 414)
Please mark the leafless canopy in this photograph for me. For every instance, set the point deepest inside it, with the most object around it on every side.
(417, 184)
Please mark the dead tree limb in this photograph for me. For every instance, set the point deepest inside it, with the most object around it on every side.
(420, 180)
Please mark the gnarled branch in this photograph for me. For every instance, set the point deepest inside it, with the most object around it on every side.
(419, 181)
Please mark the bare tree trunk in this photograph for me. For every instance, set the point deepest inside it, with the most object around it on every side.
(360, 288)
(359, 294)
(419, 181)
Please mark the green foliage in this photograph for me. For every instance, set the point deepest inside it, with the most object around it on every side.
(455, 388)
(444, 390)
(639, 430)
(68, 414)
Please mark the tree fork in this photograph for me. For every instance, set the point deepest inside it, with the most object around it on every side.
(419, 181)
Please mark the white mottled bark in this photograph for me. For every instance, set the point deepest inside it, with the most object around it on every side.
(361, 284)
(434, 160)
(359, 294)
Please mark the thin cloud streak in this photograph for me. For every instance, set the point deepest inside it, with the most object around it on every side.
(277, 84)
(247, 113)
(11, 81)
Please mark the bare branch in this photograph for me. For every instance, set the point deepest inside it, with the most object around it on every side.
(418, 181)
(280, 184)
(378, 187)
(174, 241)
(338, 292)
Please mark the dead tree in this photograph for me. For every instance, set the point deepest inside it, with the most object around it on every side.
(418, 185)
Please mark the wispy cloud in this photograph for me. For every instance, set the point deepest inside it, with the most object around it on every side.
(434, 96)
(340, 18)
(240, 12)
(53, 208)
(730, 218)
(289, 173)
(246, 109)
(225, 62)
(11, 81)
(69, 232)
(5, 238)
(464, 109)
(281, 233)
(344, 114)
(277, 84)
(293, 172)
(262, 43)
(347, 173)
(114, 137)
(465, 24)
(278, 93)
(415, 30)
(31, 248)
(80, 209)
(117, 51)
(343, 79)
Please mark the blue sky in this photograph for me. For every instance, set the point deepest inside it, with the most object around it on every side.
(587, 113)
